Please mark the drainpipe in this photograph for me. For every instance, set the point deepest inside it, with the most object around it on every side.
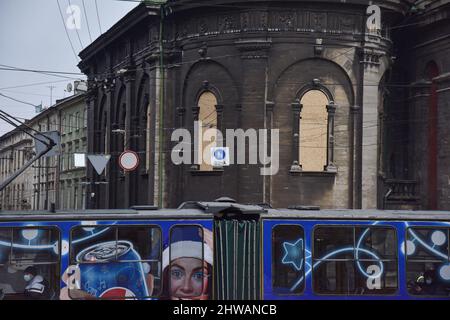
(161, 109)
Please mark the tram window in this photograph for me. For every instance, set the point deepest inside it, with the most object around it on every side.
(32, 249)
(5, 248)
(44, 239)
(428, 261)
(189, 274)
(330, 239)
(378, 240)
(86, 236)
(351, 260)
(288, 259)
(141, 237)
(116, 262)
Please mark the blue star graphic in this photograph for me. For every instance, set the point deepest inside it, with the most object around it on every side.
(293, 254)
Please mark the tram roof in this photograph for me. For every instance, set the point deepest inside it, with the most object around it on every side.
(207, 210)
(357, 214)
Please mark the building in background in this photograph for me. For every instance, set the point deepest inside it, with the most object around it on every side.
(51, 182)
(416, 114)
(16, 148)
(362, 112)
(312, 69)
(46, 169)
(73, 128)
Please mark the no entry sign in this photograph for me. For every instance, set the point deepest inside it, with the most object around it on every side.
(129, 160)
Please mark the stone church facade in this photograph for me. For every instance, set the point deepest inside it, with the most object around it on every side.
(342, 96)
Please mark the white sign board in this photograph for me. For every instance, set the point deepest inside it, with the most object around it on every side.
(79, 160)
(220, 157)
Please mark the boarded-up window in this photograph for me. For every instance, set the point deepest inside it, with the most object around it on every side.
(313, 131)
(208, 118)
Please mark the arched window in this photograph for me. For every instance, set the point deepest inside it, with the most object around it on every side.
(314, 132)
(207, 116)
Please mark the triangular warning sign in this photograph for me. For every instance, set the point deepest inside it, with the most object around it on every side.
(99, 162)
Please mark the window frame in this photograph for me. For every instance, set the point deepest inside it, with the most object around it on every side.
(313, 231)
(75, 262)
(303, 271)
(56, 284)
(423, 261)
(177, 225)
(190, 123)
(204, 129)
(330, 167)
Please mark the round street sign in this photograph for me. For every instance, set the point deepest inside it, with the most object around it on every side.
(129, 160)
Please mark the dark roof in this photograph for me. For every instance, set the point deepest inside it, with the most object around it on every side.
(122, 26)
(351, 214)
(102, 215)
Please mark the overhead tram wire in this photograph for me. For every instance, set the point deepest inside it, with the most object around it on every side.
(399, 85)
(28, 93)
(49, 143)
(106, 74)
(67, 33)
(4, 115)
(10, 122)
(17, 100)
(49, 73)
(87, 20)
(32, 84)
(98, 17)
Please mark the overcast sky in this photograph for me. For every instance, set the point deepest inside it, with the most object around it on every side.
(33, 36)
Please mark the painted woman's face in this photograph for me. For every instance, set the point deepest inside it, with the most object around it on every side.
(188, 279)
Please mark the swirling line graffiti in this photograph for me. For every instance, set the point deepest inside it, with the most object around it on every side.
(31, 233)
(295, 256)
(438, 239)
(376, 271)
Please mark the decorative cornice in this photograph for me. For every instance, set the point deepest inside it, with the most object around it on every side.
(370, 57)
(253, 48)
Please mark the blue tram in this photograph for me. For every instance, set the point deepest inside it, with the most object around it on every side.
(226, 251)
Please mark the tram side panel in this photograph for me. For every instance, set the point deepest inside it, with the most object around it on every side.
(355, 259)
(155, 259)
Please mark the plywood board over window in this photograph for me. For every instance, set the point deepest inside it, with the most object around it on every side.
(313, 131)
(208, 118)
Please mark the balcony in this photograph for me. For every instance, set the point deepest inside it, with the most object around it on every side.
(400, 194)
